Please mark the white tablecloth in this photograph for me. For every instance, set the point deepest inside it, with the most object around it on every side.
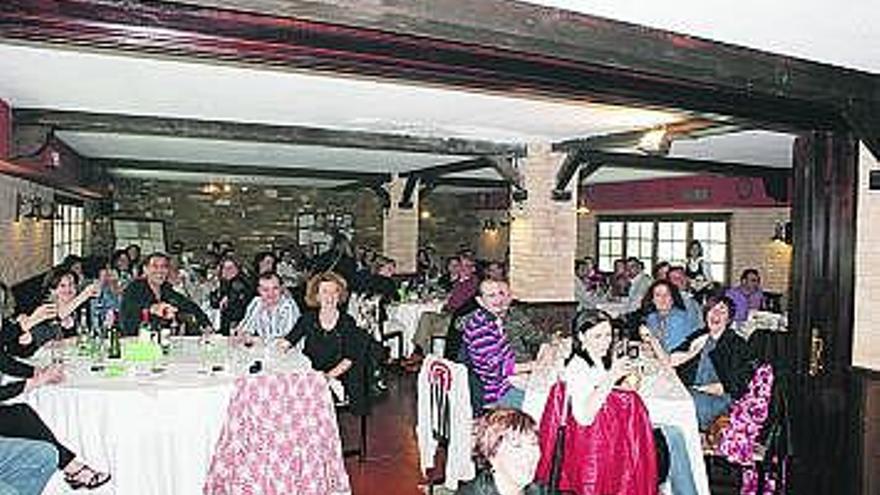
(405, 317)
(154, 433)
(668, 402)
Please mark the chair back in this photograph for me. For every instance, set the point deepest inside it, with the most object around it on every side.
(440, 383)
(366, 313)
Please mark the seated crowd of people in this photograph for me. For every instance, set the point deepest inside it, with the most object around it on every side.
(299, 305)
(292, 303)
(610, 442)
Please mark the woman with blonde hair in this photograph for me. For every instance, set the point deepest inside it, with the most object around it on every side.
(333, 342)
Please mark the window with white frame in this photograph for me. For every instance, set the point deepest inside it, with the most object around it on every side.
(610, 244)
(67, 231)
(655, 239)
(713, 238)
(640, 242)
(672, 241)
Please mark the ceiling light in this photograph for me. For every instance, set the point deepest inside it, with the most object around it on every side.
(655, 142)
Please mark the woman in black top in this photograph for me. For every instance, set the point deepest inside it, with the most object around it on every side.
(21, 421)
(233, 295)
(334, 344)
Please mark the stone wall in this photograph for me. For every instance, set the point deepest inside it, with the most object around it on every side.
(26, 244)
(252, 217)
(450, 221)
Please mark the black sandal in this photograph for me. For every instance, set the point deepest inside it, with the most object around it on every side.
(96, 480)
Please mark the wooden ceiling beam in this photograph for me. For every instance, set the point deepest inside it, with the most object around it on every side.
(264, 133)
(246, 170)
(652, 162)
(495, 45)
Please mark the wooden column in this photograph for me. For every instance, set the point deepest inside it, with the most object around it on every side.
(823, 278)
(400, 227)
(543, 233)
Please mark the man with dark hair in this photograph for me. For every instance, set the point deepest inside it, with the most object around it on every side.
(748, 296)
(154, 293)
(273, 313)
(639, 282)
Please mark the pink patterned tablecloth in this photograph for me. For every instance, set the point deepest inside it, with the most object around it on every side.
(280, 438)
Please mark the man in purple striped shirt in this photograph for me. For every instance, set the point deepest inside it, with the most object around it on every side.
(490, 355)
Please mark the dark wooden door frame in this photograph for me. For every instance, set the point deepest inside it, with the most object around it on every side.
(823, 293)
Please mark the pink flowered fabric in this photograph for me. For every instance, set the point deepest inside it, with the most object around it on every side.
(747, 417)
(280, 438)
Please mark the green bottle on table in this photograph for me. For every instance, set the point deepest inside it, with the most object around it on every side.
(115, 351)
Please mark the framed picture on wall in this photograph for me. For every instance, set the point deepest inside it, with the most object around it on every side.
(147, 233)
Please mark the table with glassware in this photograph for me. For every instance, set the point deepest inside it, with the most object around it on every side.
(404, 316)
(665, 396)
(155, 425)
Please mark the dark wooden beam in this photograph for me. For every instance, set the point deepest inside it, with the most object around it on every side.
(406, 202)
(247, 170)
(651, 162)
(689, 128)
(570, 165)
(265, 133)
(31, 173)
(494, 45)
(507, 169)
(864, 119)
(465, 182)
(451, 168)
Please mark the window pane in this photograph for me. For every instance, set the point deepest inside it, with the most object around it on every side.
(616, 248)
(679, 230)
(617, 229)
(719, 231)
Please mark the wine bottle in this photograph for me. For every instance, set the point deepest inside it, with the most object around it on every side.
(115, 351)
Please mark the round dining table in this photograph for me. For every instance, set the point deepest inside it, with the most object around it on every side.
(153, 426)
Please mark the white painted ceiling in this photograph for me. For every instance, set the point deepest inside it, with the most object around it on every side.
(64, 79)
(841, 33)
(99, 82)
(772, 149)
(164, 148)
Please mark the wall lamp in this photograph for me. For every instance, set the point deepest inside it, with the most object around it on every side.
(32, 206)
(782, 232)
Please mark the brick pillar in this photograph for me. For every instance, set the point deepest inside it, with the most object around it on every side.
(543, 233)
(5, 130)
(400, 228)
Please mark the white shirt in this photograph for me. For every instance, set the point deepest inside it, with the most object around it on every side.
(581, 380)
(270, 323)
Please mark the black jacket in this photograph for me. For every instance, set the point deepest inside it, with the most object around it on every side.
(484, 484)
(238, 294)
(12, 367)
(731, 357)
(138, 297)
